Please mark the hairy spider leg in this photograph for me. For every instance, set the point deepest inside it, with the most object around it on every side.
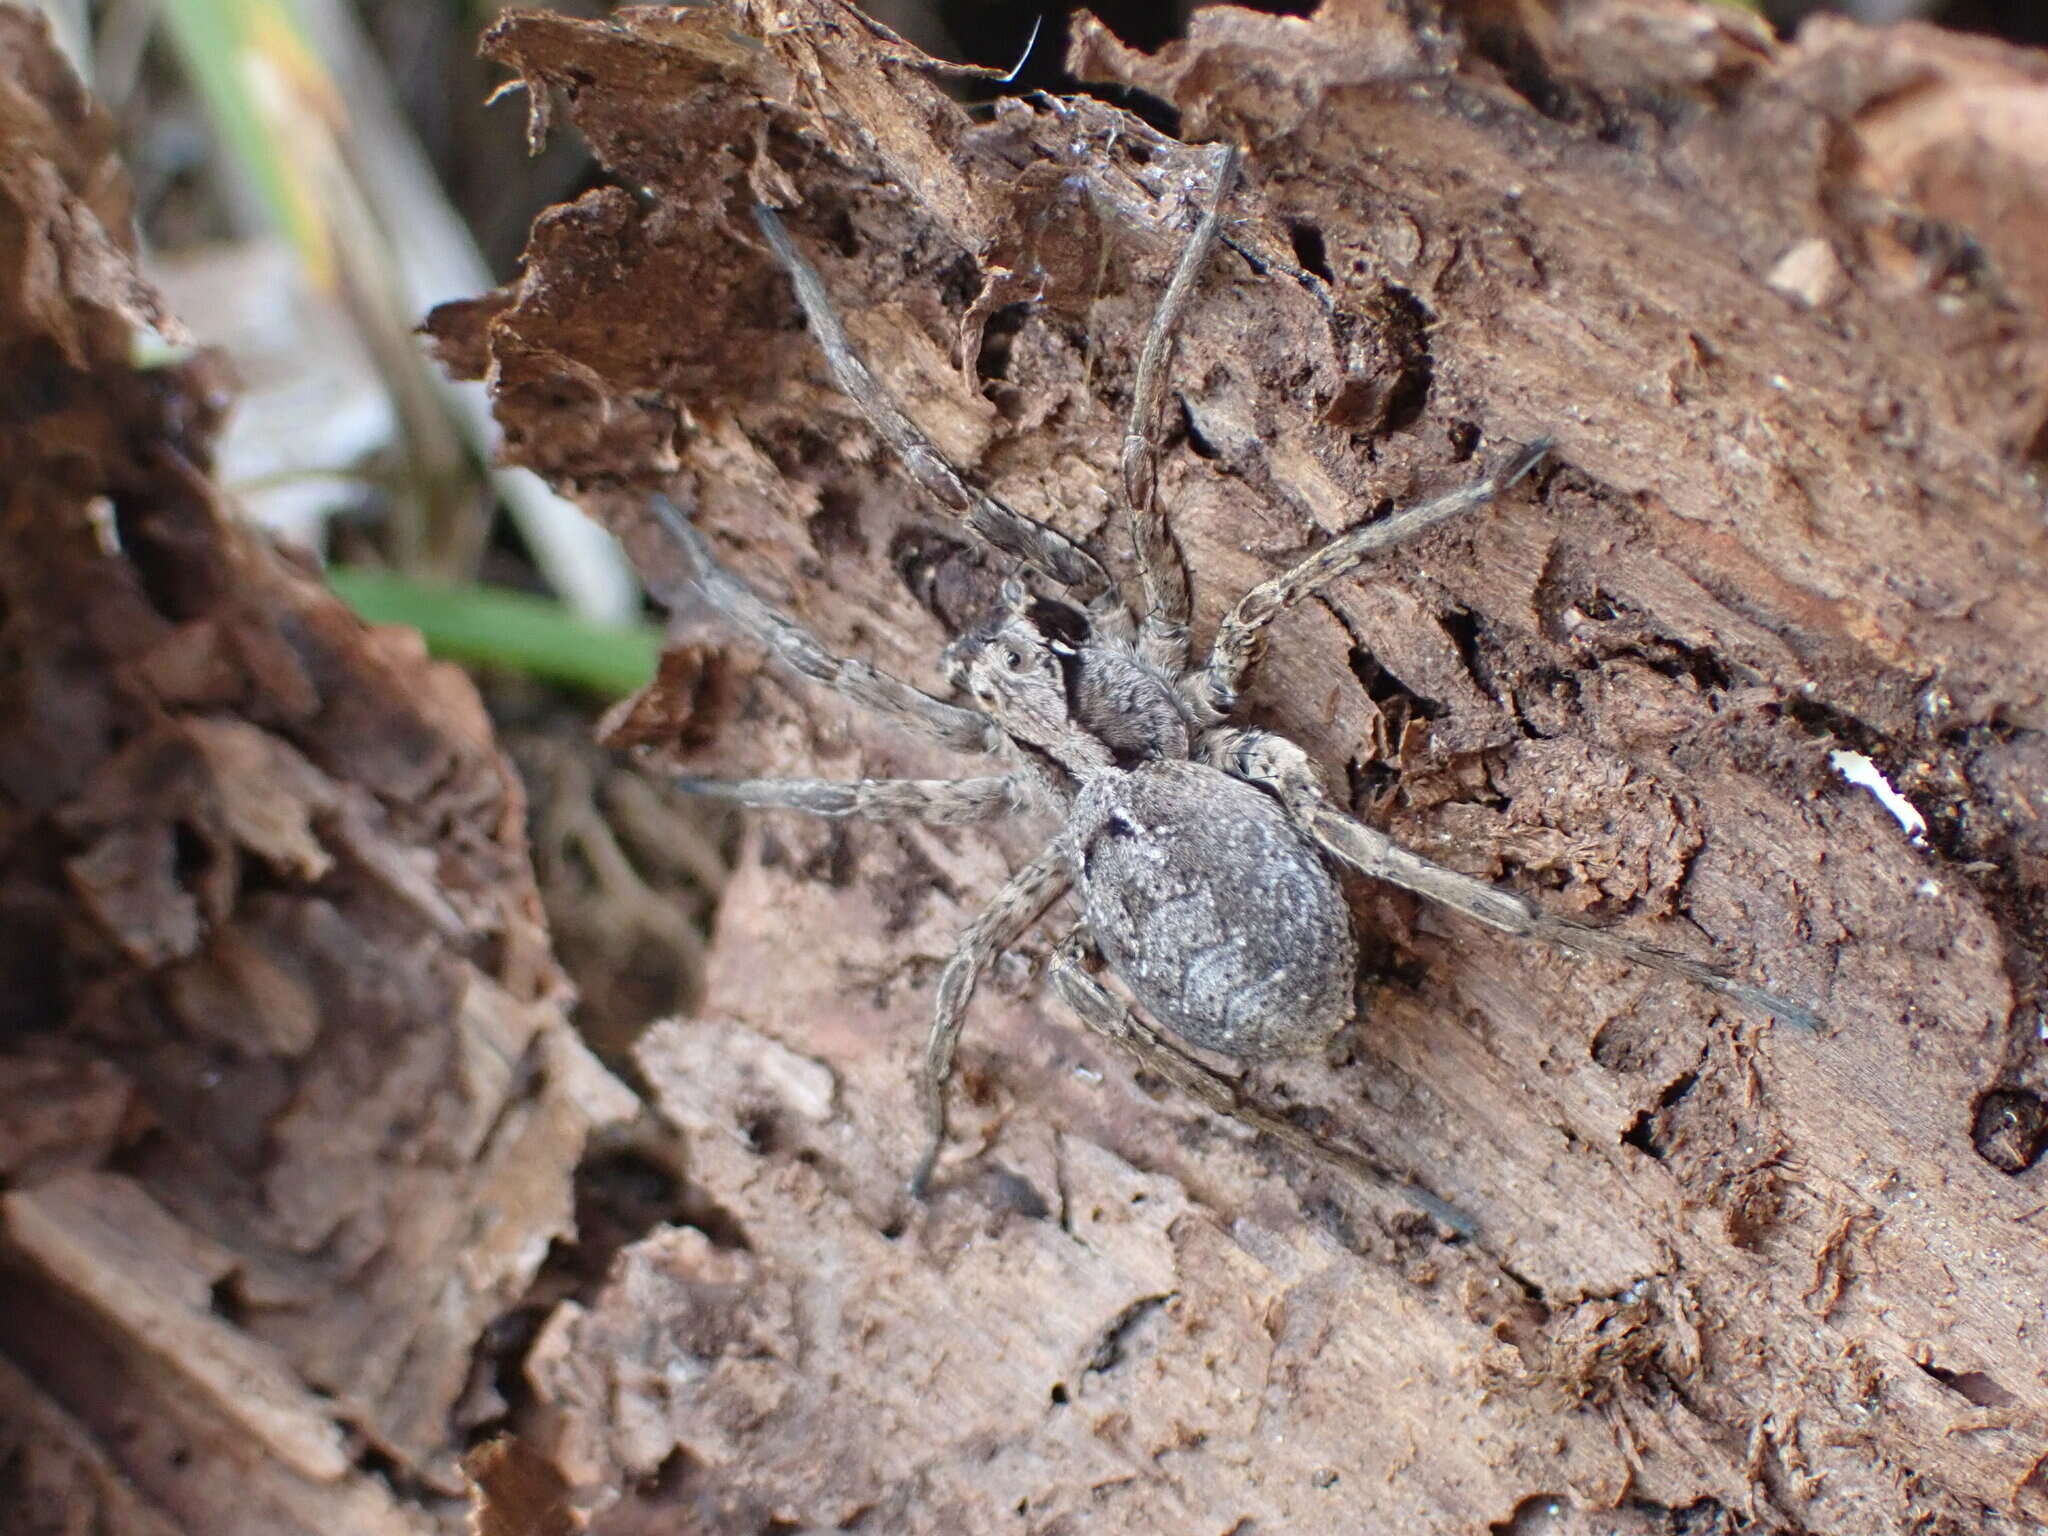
(1153, 1051)
(940, 802)
(1023, 900)
(1021, 537)
(1213, 692)
(1162, 573)
(1282, 767)
(964, 730)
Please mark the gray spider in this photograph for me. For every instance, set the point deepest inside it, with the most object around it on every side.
(1203, 854)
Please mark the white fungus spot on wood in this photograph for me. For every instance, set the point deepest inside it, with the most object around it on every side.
(1858, 769)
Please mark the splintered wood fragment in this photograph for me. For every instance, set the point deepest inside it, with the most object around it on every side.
(269, 933)
(121, 1253)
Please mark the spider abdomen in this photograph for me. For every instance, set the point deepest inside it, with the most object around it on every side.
(1217, 914)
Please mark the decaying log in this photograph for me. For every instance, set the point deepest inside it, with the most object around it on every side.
(290, 1108)
(1784, 308)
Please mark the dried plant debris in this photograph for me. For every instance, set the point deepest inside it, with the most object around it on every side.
(1790, 356)
(289, 1107)
(629, 869)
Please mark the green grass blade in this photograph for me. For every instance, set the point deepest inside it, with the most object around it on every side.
(511, 631)
(247, 59)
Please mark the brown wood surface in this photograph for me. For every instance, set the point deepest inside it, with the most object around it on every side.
(1782, 308)
(288, 1107)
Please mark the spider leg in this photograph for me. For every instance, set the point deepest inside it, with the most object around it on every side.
(964, 730)
(1163, 639)
(1241, 637)
(1023, 899)
(1004, 527)
(1108, 1016)
(1282, 767)
(945, 802)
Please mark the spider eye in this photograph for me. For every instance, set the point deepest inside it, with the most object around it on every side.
(1011, 657)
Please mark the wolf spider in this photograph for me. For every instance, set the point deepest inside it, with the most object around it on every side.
(1203, 853)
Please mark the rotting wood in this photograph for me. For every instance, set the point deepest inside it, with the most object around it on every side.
(290, 1108)
(1785, 309)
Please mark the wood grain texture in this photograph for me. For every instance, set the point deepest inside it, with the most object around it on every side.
(1727, 1278)
(290, 1107)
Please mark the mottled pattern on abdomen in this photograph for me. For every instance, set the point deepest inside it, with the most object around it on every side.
(1217, 914)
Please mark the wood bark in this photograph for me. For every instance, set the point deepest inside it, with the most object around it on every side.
(1784, 308)
(290, 1107)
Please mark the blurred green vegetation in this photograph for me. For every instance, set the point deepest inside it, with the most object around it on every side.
(505, 630)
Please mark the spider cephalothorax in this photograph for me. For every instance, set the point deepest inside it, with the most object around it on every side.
(1203, 854)
(1104, 689)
